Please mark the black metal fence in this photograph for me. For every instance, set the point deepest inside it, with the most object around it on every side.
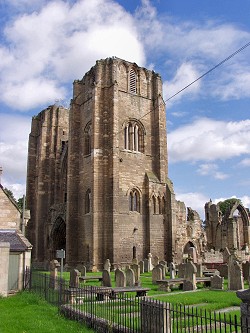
(103, 311)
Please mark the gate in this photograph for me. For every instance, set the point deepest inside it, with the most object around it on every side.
(13, 277)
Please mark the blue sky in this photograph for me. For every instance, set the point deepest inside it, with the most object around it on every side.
(45, 45)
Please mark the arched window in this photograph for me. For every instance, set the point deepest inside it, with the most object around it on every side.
(134, 201)
(87, 201)
(87, 139)
(132, 82)
(134, 136)
(163, 206)
(154, 204)
(159, 205)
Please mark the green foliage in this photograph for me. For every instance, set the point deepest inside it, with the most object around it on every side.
(20, 203)
(227, 204)
(27, 312)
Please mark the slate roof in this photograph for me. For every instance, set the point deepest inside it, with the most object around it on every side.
(18, 242)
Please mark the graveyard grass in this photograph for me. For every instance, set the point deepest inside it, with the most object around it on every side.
(27, 312)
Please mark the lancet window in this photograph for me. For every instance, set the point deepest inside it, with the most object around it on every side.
(87, 201)
(134, 201)
(133, 136)
(87, 139)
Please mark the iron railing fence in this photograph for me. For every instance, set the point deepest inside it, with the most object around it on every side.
(105, 312)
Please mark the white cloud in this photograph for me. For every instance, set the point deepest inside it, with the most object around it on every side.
(211, 169)
(58, 43)
(244, 199)
(245, 162)
(13, 151)
(207, 140)
(194, 200)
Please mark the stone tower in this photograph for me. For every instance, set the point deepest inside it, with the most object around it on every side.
(97, 182)
(117, 165)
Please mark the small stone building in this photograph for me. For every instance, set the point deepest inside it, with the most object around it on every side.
(97, 179)
(15, 249)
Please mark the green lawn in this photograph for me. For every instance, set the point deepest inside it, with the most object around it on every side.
(27, 313)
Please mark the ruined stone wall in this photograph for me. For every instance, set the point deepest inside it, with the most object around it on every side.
(48, 130)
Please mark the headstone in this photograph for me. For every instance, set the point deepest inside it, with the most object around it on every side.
(155, 261)
(163, 268)
(107, 265)
(106, 279)
(150, 262)
(74, 278)
(172, 270)
(134, 261)
(54, 265)
(181, 270)
(120, 278)
(141, 264)
(130, 277)
(235, 276)
(190, 276)
(156, 274)
(246, 270)
(217, 282)
(188, 285)
(136, 269)
(83, 271)
(146, 266)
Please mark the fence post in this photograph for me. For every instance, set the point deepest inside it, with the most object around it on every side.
(155, 316)
(244, 295)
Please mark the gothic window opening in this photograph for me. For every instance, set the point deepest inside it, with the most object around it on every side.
(87, 139)
(87, 201)
(163, 206)
(133, 137)
(134, 201)
(132, 82)
(154, 204)
(159, 205)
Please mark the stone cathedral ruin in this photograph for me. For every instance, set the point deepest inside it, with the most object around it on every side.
(97, 179)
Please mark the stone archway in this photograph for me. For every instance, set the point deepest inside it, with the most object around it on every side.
(57, 237)
(190, 251)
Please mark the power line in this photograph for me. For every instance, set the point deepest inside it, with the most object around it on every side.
(210, 70)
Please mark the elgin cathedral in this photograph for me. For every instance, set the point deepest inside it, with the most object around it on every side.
(97, 178)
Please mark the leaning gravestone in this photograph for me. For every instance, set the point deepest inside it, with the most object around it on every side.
(74, 278)
(106, 279)
(120, 278)
(235, 276)
(217, 282)
(130, 277)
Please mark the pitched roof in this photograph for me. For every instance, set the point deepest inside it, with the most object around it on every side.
(18, 242)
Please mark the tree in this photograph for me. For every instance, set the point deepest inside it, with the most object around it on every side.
(227, 204)
(20, 203)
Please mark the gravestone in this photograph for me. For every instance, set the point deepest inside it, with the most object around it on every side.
(83, 271)
(120, 278)
(141, 264)
(54, 265)
(235, 276)
(155, 261)
(246, 270)
(150, 265)
(106, 279)
(190, 271)
(217, 282)
(107, 265)
(146, 266)
(172, 270)
(74, 278)
(136, 269)
(130, 277)
(181, 270)
(156, 274)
